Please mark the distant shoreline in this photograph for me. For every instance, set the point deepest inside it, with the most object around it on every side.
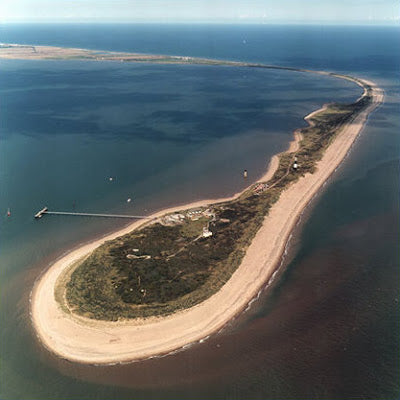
(90, 341)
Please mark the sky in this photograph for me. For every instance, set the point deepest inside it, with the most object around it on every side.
(384, 12)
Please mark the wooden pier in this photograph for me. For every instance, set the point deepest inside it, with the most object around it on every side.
(45, 210)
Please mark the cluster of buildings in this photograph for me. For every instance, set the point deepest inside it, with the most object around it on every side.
(192, 215)
(195, 214)
(172, 219)
(182, 58)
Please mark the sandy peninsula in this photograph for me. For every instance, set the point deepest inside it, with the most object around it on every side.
(84, 340)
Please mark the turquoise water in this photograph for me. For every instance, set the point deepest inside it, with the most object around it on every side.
(168, 134)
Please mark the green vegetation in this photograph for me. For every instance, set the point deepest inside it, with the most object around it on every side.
(169, 265)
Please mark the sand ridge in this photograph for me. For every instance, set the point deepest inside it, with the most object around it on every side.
(84, 340)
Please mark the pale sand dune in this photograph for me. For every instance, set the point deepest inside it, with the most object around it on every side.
(88, 341)
(30, 52)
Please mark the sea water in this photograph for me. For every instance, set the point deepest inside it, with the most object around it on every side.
(172, 134)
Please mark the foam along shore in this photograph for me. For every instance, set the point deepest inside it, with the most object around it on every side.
(91, 341)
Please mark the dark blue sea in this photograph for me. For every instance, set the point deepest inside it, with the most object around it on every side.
(328, 328)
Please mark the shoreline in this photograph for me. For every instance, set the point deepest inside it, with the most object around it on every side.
(90, 341)
(69, 257)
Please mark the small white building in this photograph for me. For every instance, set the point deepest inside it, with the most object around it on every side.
(206, 232)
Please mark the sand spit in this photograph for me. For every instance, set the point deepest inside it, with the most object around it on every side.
(84, 340)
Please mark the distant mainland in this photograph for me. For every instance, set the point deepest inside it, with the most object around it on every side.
(160, 285)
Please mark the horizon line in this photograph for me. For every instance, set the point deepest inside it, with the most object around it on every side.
(258, 23)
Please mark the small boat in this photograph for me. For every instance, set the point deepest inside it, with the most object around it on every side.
(8, 212)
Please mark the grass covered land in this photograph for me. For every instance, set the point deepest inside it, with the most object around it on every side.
(181, 259)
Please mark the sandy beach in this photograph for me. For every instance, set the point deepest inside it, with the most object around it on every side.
(99, 342)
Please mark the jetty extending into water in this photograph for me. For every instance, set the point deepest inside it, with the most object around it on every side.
(45, 210)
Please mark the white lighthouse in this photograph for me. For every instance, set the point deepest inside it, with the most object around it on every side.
(295, 165)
